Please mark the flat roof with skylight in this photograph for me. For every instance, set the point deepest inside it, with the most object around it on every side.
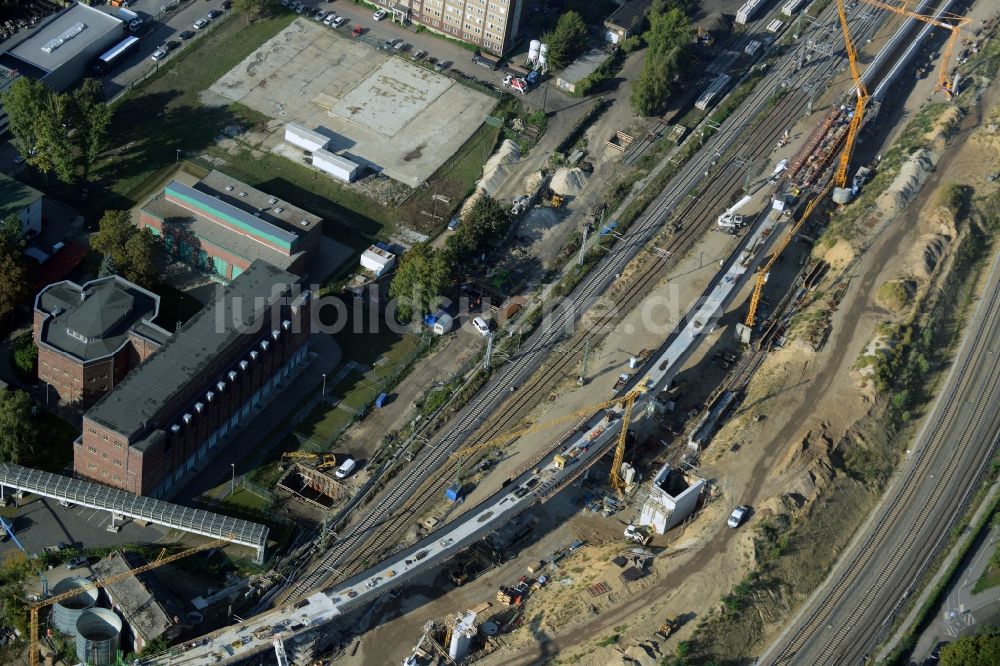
(66, 37)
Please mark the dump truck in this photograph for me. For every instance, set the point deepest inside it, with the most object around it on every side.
(669, 626)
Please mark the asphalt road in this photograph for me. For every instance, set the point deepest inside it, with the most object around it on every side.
(850, 614)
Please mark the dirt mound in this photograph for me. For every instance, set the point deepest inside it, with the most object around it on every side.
(498, 167)
(907, 183)
(533, 181)
(896, 295)
(809, 462)
(537, 222)
(945, 125)
(569, 181)
(926, 255)
(839, 255)
(470, 203)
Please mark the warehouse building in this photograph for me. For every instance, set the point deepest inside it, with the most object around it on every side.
(91, 336)
(220, 226)
(188, 399)
(149, 608)
(62, 48)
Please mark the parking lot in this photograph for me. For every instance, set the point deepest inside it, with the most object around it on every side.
(43, 522)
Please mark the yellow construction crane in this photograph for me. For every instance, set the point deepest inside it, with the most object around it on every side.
(36, 606)
(860, 103)
(626, 401)
(766, 268)
(946, 20)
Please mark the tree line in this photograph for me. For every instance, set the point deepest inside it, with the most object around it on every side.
(58, 133)
(668, 55)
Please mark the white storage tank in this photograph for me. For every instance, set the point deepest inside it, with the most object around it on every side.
(67, 612)
(335, 165)
(307, 140)
(98, 637)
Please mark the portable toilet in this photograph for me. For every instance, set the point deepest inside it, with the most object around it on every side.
(380, 400)
(453, 492)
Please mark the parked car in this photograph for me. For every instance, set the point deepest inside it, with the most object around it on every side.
(200, 23)
(159, 54)
(453, 224)
(66, 504)
(215, 13)
(357, 31)
(442, 65)
(419, 54)
(392, 43)
(481, 326)
(346, 468)
(400, 45)
(227, 4)
(320, 15)
(339, 21)
(738, 515)
(330, 18)
(187, 34)
(379, 15)
(170, 45)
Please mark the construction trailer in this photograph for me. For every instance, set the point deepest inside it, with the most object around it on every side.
(673, 496)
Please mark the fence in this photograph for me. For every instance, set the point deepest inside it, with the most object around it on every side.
(166, 10)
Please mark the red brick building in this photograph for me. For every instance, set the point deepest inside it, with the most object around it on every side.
(189, 398)
(221, 225)
(90, 337)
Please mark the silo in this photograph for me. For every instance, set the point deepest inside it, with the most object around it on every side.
(98, 636)
(67, 612)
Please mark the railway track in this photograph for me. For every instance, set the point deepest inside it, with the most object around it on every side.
(423, 480)
(964, 434)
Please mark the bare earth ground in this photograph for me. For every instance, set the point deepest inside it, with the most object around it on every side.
(809, 399)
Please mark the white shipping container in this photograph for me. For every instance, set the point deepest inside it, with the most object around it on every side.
(790, 7)
(713, 90)
(335, 165)
(775, 25)
(752, 48)
(746, 13)
(308, 140)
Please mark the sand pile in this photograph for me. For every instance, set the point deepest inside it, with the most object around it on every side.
(469, 203)
(905, 186)
(926, 254)
(568, 181)
(498, 167)
(839, 255)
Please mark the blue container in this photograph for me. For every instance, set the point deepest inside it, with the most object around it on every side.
(380, 400)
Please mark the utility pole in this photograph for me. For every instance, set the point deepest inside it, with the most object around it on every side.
(583, 244)
(582, 379)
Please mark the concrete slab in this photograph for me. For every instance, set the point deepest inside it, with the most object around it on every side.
(379, 110)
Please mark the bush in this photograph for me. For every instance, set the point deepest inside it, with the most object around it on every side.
(25, 355)
(630, 44)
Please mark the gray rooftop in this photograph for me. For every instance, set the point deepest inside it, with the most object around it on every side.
(630, 15)
(270, 207)
(97, 25)
(15, 196)
(134, 407)
(176, 216)
(584, 66)
(146, 604)
(94, 320)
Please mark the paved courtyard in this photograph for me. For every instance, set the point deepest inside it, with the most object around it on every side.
(378, 109)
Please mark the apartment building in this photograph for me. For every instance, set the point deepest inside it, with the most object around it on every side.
(191, 397)
(492, 25)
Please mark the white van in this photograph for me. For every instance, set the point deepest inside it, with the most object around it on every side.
(481, 326)
(346, 468)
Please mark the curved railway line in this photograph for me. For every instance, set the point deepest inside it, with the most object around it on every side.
(424, 479)
(962, 431)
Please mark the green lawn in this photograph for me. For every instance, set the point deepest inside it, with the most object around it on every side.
(991, 574)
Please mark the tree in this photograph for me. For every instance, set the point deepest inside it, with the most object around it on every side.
(25, 358)
(17, 433)
(142, 258)
(107, 267)
(24, 102)
(978, 650)
(14, 282)
(134, 253)
(12, 231)
(91, 117)
(669, 39)
(252, 8)
(567, 41)
(486, 224)
(422, 275)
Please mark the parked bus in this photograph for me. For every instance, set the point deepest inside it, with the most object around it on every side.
(116, 55)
